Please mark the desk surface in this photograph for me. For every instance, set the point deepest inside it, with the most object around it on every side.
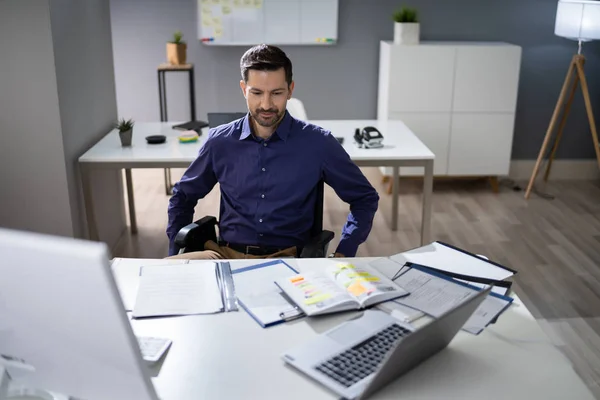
(400, 143)
(230, 356)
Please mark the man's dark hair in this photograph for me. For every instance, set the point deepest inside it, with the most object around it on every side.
(264, 57)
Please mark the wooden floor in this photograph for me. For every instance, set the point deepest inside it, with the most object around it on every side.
(553, 243)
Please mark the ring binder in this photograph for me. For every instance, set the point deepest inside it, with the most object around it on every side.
(226, 286)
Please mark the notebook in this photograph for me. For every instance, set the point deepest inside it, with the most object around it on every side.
(339, 287)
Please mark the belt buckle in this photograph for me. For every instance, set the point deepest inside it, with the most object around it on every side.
(251, 247)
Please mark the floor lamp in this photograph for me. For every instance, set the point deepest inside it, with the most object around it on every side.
(577, 20)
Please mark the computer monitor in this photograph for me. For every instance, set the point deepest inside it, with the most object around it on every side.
(63, 327)
(216, 119)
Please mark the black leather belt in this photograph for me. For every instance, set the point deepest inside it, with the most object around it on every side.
(256, 250)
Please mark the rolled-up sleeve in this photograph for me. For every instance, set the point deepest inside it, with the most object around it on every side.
(197, 181)
(350, 184)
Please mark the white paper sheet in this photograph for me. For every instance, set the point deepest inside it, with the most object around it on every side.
(485, 313)
(126, 272)
(431, 294)
(436, 255)
(177, 290)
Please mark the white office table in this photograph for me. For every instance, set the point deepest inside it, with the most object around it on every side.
(229, 356)
(402, 148)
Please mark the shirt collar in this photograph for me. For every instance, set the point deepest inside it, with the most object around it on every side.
(283, 130)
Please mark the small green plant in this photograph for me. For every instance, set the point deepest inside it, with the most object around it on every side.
(177, 36)
(125, 125)
(406, 15)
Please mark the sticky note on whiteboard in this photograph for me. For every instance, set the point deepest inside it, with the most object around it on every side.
(216, 21)
(248, 3)
(206, 9)
(258, 3)
(218, 31)
(226, 10)
(206, 20)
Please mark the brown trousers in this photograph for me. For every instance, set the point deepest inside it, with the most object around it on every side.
(212, 251)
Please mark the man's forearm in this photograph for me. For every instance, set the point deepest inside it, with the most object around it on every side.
(355, 231)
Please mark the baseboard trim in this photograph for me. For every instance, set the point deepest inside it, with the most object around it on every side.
(561, 169)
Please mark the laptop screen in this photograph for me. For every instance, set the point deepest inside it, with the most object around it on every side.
(216, 119)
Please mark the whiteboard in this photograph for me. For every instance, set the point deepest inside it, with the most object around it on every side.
(277, 22)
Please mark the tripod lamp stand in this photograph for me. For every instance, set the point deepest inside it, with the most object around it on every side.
(577, 20)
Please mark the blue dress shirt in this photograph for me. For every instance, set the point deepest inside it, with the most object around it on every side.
(269, 187)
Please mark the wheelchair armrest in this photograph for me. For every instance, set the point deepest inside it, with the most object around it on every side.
(193, 236)
(317, 246)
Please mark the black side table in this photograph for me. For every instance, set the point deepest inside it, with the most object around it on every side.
(162, 96)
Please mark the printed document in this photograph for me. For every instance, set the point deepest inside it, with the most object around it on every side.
(178, 290)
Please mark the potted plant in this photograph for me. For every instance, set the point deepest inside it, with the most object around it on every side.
(176, 50)
(125, 128)
(406, 26)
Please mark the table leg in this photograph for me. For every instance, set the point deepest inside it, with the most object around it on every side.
(395, 179)
(427, 198)
(86, 185)
(130, 201)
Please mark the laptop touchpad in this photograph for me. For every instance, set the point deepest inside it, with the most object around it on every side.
(349, 333)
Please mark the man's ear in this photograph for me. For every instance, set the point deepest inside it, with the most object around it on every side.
(291, 90)
(243, 87)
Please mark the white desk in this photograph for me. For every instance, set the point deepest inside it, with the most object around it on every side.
(229, 356)
(402, 148)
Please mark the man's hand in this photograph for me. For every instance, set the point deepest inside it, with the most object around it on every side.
(339, 255)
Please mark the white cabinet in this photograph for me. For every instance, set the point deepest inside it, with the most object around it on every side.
(459, 98)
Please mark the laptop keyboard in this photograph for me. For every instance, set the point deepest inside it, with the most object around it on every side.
(363, 359)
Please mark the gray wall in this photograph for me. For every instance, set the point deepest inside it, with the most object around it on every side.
(33, 182)
(57, 99)
(349, 70)
(83, 52)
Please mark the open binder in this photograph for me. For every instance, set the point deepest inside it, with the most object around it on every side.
(186, 289)
(458, 264)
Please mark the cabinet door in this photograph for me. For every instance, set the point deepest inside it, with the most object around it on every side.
(433, 129)
(421, 78)
(487, 78)
(480, 144)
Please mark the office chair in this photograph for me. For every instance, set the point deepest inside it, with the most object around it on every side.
(193, 236)
(296, 108)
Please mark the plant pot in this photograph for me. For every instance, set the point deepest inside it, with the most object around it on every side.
(406, 32)
(176, 53)
(126, 137)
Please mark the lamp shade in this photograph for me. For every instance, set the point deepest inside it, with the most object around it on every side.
(578, 19)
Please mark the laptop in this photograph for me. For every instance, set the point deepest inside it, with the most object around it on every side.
(216, 119)
(361, 356)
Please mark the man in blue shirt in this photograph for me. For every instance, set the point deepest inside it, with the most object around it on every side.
(268, 165)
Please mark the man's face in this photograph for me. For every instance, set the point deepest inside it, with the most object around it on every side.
(266, 94)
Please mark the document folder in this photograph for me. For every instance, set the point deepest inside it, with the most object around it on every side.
(257, 293)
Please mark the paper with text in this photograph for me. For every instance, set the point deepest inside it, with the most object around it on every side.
(178, 290)
(431, 294)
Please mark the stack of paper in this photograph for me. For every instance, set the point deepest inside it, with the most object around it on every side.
(178, 290)
(457, 262)
(436, 294)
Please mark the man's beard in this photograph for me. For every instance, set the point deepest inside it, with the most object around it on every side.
(268, 121)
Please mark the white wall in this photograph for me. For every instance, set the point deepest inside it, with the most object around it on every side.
(57, 98)
(33, 182)
(83, 52)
